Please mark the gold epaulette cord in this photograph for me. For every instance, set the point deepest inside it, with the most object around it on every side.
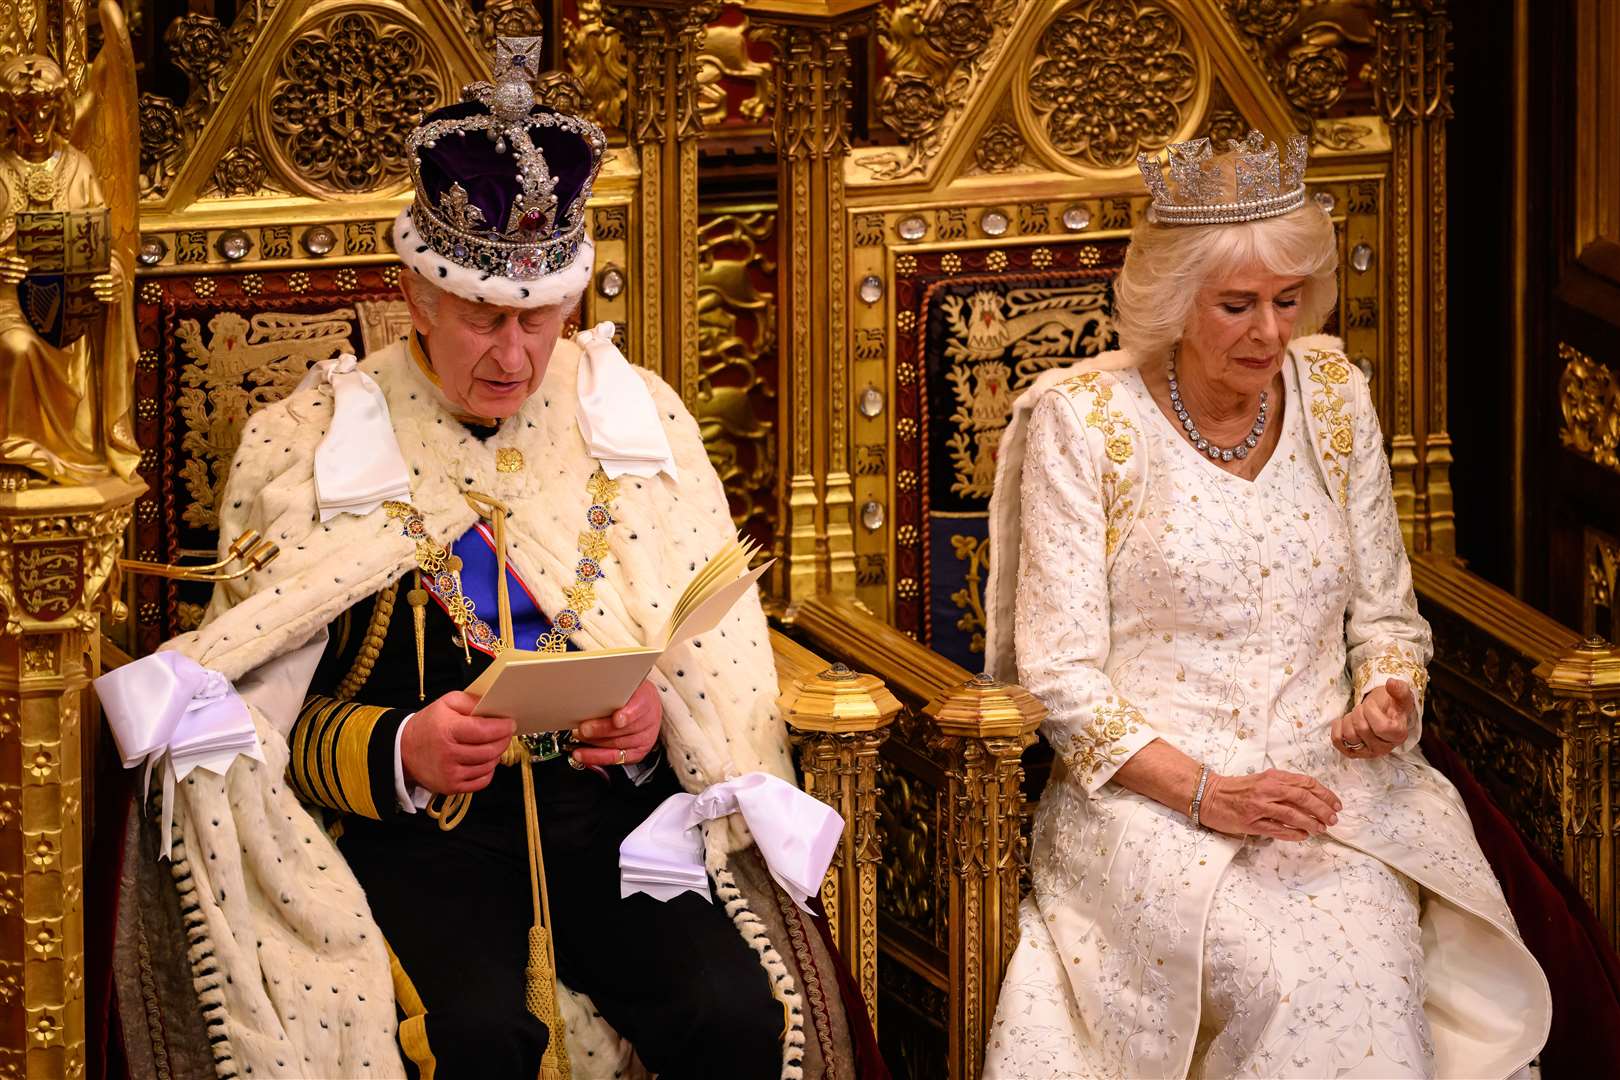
(382, 610)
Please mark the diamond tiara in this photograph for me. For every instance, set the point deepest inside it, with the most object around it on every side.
(1247, 183)
(538, 236)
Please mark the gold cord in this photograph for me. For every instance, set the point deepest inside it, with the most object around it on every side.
(495, 512)
(541, 973)
(370, 646)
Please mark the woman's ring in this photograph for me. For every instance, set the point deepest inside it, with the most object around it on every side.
(620, 760)
(1348, 745)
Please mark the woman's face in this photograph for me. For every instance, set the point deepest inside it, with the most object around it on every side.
(1239, 327)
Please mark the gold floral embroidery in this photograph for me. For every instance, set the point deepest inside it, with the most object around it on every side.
(1118, 444)
(1337, 435)
(1393, 662)
(1093, 748)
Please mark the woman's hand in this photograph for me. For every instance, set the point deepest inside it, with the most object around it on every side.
(1281, 805)
(1379, 724)
(625, 737)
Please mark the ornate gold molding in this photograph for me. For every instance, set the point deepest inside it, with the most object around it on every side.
(343, 95)
(58, 570)
(1589, 398)
(663, 121)
(841, 719)
(1413, 95)
(1072, 95)
(1600, 614)
(811, 136)
(980, 730)
(938, 54)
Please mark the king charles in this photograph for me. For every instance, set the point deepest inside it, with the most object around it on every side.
(384, 882)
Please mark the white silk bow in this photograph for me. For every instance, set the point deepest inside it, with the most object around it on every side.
(358, 466)
(167, 708)
(797, 834)
(617, 416)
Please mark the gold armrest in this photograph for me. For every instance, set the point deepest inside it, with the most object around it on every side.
(864, 641)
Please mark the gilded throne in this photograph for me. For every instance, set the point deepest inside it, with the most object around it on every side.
(849, 233)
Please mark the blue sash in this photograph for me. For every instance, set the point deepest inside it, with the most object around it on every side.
(479, 570)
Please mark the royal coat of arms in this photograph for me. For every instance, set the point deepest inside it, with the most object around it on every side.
(66, 251)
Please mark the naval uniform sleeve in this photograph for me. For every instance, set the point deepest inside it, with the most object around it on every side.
(343, 754)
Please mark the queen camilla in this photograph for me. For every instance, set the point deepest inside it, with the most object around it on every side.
(1243, 866)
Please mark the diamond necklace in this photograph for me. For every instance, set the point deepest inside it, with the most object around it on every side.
(1190, 429)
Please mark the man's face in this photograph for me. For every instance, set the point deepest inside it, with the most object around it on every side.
(489, 359)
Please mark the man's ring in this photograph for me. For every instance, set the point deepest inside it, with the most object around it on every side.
(620, 761)
(1348, 745)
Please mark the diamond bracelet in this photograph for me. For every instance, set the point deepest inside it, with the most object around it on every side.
(1198, 796)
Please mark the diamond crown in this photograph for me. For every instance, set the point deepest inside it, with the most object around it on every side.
(1248, 182)
(537, 236)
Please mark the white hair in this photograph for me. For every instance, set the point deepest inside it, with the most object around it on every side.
(1166, 266)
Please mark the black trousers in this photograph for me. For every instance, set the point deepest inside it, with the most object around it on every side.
(676, 979)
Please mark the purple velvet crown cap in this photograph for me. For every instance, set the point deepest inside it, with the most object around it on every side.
(490, 177)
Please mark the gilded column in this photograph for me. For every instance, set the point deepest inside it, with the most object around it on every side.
(662, 39)
(981, 729)
(840, 719)
(811, 133)
(1414, 94)
(1585, 686)
(58, 549)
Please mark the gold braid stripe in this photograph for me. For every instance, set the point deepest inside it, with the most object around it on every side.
(370, 645)
(330, 763)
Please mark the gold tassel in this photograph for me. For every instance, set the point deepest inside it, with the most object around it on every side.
(418, 599)
(540, 989)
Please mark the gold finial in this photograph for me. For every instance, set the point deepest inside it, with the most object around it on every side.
(983, 707)
(839, 700)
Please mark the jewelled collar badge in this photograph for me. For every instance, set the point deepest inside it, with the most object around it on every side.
(502, 182)
(1249, 182)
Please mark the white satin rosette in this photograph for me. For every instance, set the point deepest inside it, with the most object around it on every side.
(358, 465)
(168, 710)
(617, 417)
(796, 833)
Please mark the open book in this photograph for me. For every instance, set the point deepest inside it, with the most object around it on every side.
(558, 691)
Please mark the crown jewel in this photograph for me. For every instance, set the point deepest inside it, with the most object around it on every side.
(501, 183)
(1248, 182)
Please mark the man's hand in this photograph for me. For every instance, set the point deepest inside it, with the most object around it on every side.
(1379, 724)
(625, 737)
(447, 749)
(1281, 805)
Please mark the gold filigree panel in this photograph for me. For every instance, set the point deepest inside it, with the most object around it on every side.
(937, 52)
(736, 397)
(1110, 78)
(1589, 397)
(343, 97)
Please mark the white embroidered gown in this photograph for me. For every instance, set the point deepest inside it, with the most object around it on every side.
(1160, 596)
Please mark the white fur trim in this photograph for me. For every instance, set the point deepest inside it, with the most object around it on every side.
(559, 287)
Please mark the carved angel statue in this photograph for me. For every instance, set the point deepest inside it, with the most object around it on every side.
(68, 230)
